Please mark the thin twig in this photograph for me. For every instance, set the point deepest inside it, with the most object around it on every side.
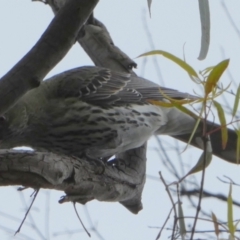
(229, 16)
(205, 140)
(74, 206)
(173, 204)
(231, 181)
(152, 46)
(34, 197)
(47, 215)
(168, 217)
(94, 229)
(206, 194)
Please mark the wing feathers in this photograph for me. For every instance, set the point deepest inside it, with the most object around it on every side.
(102, 86)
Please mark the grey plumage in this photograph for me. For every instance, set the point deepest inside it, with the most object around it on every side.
(97, 112)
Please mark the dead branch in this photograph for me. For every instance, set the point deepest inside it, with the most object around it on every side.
(74, 176)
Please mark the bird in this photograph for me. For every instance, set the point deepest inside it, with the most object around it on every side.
(96, 112)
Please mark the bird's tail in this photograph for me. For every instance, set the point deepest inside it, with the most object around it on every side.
(229, 153)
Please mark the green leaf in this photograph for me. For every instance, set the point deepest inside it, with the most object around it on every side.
(204, 158)
(184, 109)
(215, 75)
(205, 27)
(222, 119)
(175, 59)
(200, 164)
(236, 102)
(181, 221)
(215, 224)
(175, 103)
(230, 237)
(231, 226)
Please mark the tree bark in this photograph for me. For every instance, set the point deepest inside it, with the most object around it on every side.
(74, 176)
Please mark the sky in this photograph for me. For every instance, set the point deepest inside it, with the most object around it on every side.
(174, 26)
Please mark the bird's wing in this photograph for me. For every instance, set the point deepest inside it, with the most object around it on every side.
(101, 86)
(151, 90)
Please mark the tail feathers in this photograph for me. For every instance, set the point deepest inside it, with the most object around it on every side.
(228, 154)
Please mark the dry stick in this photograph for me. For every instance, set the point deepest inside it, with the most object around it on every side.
(207, 194)
(205, 139)
(210, 220)
(47, 215)
(34, 197)
(230, 18)
(33, 224)
(166, 159)
(93, 228)
(53, 46)
(202, 211)
(231, 181)
(152, 46)
(164, 224)
(213, 231)
(74, 206)
(173, 204)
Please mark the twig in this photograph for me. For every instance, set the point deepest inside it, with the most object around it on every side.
(152, 46)
(230, 18)
(168, 216)
(93, 228)
(231, 181)
(34, 197)
(74, 206)
(205, 140)
(207, 194)
(173, 204)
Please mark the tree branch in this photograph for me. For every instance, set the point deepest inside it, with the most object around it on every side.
(206, 194)
(48, 51)
(74, 176)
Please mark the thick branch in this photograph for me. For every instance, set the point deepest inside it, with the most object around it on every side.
(48, 51)
(74, 176)
(98, 44)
